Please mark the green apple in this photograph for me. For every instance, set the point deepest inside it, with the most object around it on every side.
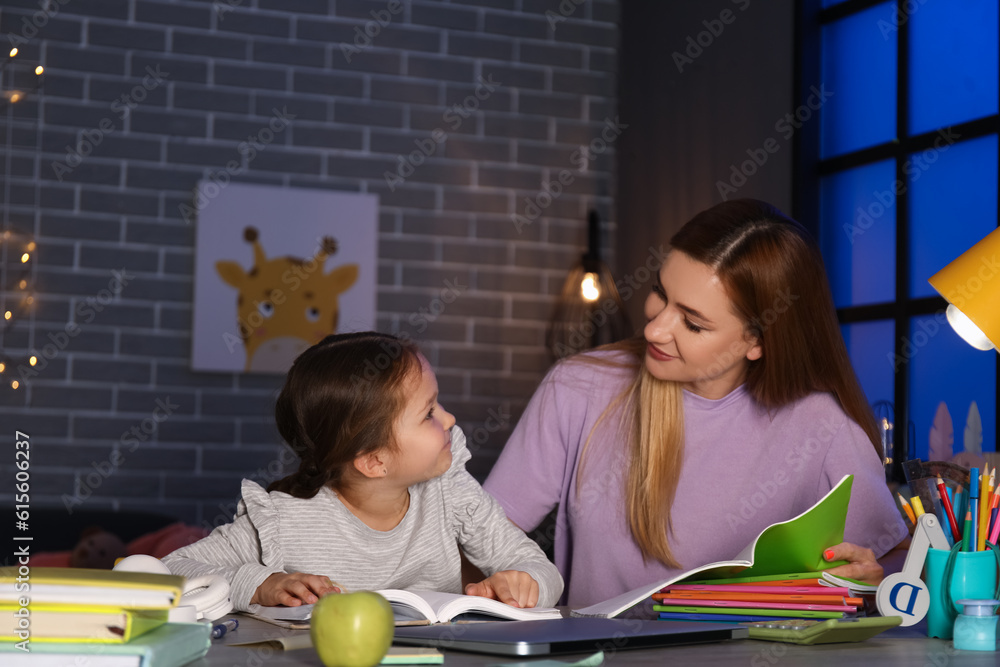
(352, 629)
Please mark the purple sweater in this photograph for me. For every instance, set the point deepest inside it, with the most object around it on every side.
(743, 470)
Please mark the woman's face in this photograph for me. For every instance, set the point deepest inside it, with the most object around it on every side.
(692, 333)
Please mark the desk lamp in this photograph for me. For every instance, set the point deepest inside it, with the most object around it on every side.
(971, 285)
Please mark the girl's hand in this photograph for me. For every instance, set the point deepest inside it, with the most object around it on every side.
(292, 590)
(513, 587)
(861, 565)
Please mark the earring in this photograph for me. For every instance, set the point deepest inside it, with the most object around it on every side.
(384, 472)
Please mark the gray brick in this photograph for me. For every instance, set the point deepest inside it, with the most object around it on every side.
(263, 463)
(481, 46)
(171, 374)
(238, 130)
(440, 68)
(494, 333)
(125, 485)
(159, 233)
(210, 100)
(202, 487)
(444, 17)
(573, 234)
(70, 398)
(173, 14)
(257, 24)
(602, 61)
(478, 150)
(359, 167)
(145, 39)
(174, 69)
(212, 155)
(159, 289)
(518, 25)
(496, 4)
(508, 281)
(589, 34)
(177, 429)
(470, 359)
(175, 319)
(83, 116)
(155, 345)
(178, 262)
(236, 405)
(533, 309)
(125, 146)
(503, 228)
(464, 99)
(63, 85)
(76, 455)
(481, 202)
(250, 77)
(150, 456)
(16, 22)
(118, 202)
(324, 83)
(404, 196)
(161, 179)
(435, 277)
(544, 256)
(109, 429)
(169, 123)
(416, 249)
(404, 143)
(545, 155)
(442, 331)
(75, 227)
(543, 104)
(516, 127)
(300, 6)
(330, 32)
(519, 178)
(115, 257)
(111, 9)
(284, 161)
(584, 83)
(438, 224)
(304, 109)
(326, 137)
(367, 114)
(204, 44)
(289, 54)
(269, 382)
(147, 401)
(85, 338)
(447, 121)
(83, 60)
(517, 77)
(52, 254)
(410, 92)
(550, 54)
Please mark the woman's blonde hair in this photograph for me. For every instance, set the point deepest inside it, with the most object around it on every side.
(772, 271)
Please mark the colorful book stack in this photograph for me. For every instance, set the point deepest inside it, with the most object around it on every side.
(801, 595)
(60, 617)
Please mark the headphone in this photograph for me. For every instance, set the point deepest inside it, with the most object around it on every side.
(208, 594)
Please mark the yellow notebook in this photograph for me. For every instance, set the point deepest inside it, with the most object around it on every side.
(82, 586)
(77, 623)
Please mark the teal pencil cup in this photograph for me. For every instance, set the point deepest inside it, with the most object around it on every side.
(957, 575)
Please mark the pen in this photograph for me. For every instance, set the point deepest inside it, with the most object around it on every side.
(228, 625)
(984, 510)
(907, 508)
(918, 506)
(973, 507)
(948, 511)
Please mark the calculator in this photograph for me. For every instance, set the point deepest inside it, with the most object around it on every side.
(815, 631)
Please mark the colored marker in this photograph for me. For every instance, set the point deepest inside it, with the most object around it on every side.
(974, 506)
(967, 533)
(993, 523)
(995, 535)
(918, 506)
(948, 511)
(984, 511)
(228, 625)
(906, 508)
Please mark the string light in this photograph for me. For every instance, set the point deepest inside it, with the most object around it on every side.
(32, 360)
(39, 70)
(13, 52)
(15, 384)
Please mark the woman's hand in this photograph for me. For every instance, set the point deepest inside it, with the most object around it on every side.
(862, 565)
(513, 587)
(292, 590)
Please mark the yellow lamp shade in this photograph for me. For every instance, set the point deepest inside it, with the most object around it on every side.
(971, 284)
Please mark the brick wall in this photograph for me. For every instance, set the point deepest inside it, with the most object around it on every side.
(141, 99)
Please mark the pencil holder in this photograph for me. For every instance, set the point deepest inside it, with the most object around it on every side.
(958, 575)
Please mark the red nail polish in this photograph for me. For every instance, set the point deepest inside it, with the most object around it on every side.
(828, 554)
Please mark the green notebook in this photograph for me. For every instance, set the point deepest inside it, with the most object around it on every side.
(170, 645)
(795, 545)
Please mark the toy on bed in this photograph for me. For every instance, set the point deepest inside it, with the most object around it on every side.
(100, 549)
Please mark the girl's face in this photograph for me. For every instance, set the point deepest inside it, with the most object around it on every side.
(692, 334)
(423, 432)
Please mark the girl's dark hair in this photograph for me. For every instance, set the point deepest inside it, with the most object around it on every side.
(340, 401)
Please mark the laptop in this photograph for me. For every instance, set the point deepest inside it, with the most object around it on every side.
(566, 635)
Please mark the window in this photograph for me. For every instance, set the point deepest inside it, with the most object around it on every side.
(900, 175)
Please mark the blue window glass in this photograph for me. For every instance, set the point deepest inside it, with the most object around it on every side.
(954, 59)
(870, 346)
(943, 367)
(858, 233)
(953, 204)
(859, 69)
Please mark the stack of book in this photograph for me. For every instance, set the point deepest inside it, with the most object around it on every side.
(806, 595)
(60, 617)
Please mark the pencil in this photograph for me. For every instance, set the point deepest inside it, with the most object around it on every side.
(918, 506)
(906, 508)
(967, 533)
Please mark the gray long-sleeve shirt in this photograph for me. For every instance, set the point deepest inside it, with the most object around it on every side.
(275, 532)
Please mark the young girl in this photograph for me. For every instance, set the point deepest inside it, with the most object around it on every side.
(381, 498)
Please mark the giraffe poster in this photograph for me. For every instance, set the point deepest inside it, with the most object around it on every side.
(276, 270)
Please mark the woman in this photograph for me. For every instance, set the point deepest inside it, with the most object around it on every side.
(738, 408)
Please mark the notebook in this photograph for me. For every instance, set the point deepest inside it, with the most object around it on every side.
(566, 635)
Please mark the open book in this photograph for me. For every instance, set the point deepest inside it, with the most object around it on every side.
(427, 606)
(795, 545)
